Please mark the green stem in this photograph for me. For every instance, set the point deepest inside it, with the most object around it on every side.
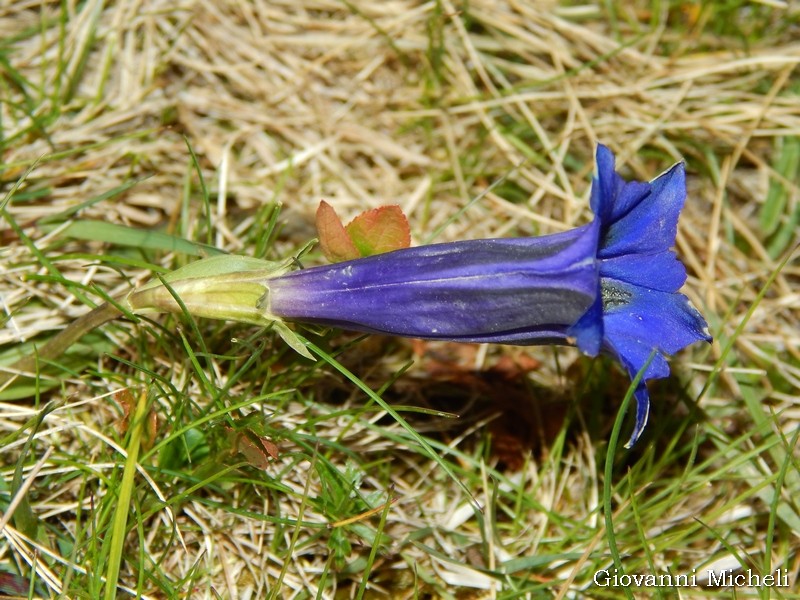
(120, 527)
(56, 346)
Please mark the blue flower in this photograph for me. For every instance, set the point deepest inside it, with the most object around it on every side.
(513, 290)
(609, 286)
(639, 311)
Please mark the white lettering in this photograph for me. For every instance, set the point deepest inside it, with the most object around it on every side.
(724, 578)
(604, 582)
(713, 580)
(612, 578)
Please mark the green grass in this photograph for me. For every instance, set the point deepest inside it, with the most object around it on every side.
(402, 470)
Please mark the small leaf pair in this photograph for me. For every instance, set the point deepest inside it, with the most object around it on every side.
(372, 232)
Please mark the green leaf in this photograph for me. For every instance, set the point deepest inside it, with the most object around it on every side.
(292, 340)
(119, 529)
(121, 235)
(50, 372)
(62, 216)
(777, 195)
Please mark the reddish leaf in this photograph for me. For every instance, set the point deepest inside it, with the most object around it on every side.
(151, 430)
(335, 241)
(380, 230)
(256, 449)
(127, 401)
(13, 585)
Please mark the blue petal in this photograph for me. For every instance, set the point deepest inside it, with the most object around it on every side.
(662, 271)
(633, 352)
(588, 330)
(612, 197)
(642, 413)
(604, 185)
(650, 226)
(666, 321)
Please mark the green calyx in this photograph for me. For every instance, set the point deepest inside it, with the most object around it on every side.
(221, 287)
(231, 288)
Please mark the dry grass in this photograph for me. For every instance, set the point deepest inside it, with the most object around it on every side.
(424, 105)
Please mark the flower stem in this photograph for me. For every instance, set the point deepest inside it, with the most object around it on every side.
(55, 347)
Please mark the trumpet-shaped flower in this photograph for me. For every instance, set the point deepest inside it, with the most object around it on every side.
(610, 286)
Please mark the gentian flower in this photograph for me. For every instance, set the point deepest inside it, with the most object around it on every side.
(609, 286)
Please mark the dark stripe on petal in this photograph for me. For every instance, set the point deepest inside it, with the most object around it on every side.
(506, 290)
